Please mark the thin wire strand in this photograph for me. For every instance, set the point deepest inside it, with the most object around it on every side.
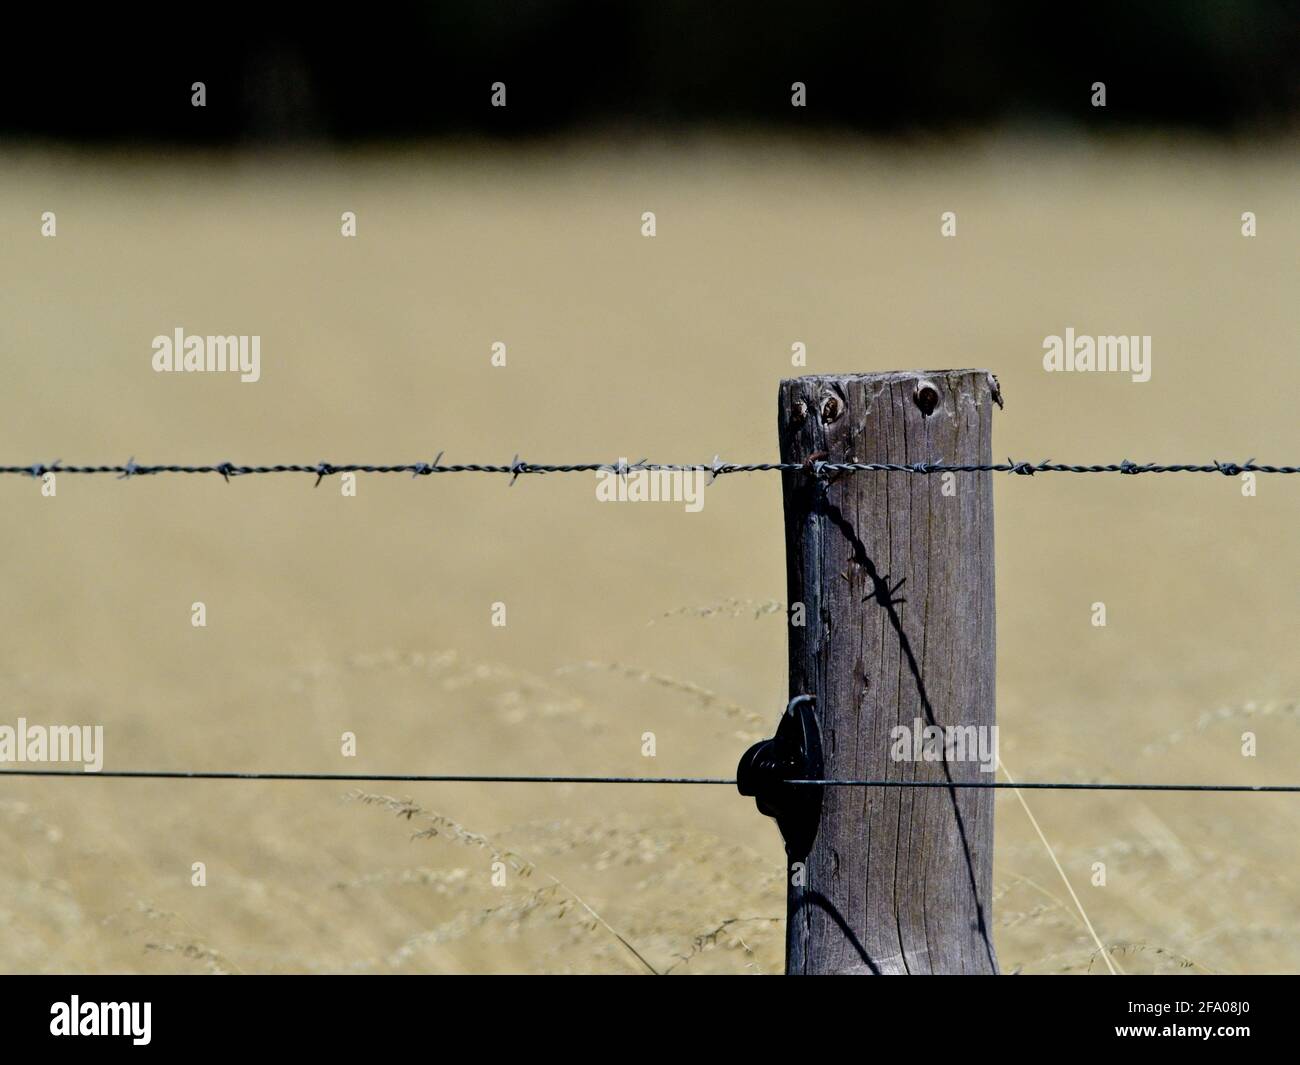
(458, 778)
(717, 468)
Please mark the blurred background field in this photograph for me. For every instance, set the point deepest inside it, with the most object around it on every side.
(372, 614)
(775, 225)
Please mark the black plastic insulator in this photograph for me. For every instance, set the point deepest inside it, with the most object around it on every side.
(768, 767)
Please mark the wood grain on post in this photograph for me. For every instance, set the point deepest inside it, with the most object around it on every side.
(895, 574)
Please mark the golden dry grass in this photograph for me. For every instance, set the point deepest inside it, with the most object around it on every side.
(372, 614)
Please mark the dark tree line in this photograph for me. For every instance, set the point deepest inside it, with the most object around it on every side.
(408, 69)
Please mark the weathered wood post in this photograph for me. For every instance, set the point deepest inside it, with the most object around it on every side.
(895, 574)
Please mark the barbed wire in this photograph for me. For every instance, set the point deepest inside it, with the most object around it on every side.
(518, 467)
(457, 778)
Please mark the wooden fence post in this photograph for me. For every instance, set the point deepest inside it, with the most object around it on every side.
(894, 572)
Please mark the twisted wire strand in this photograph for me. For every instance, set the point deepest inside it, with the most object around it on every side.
(518, 467)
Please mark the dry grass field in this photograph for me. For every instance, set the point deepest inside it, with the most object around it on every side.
(372, 614)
